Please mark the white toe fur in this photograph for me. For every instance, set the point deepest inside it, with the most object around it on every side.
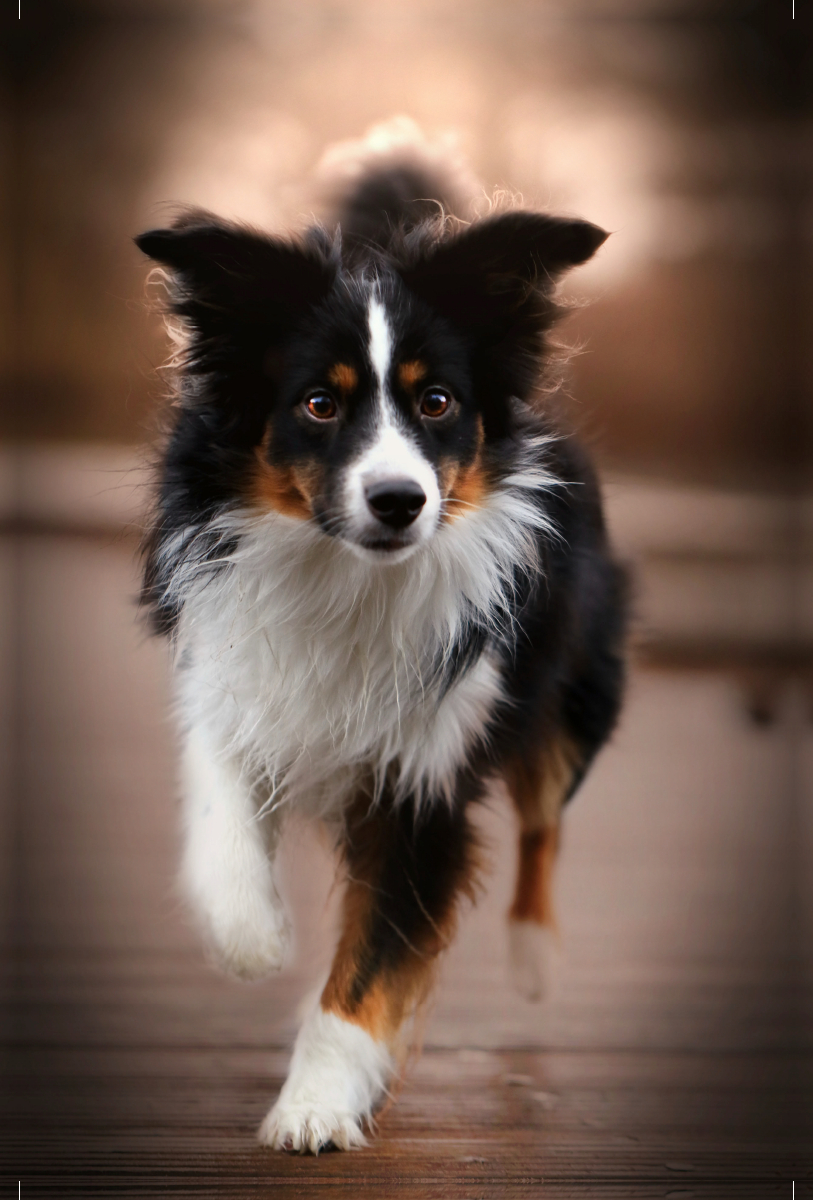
(338, 1077)
(533, 958)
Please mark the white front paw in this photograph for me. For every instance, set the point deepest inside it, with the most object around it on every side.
(310, 1127)
(338, 1076)
(532, 952)
(250, 943)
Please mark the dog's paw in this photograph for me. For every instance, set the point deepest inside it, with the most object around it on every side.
(533, 959)
(310, 1127)
(250, 944)
(338, 1076)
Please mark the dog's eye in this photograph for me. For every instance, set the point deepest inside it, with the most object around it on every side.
(435, 402)
(322, 406)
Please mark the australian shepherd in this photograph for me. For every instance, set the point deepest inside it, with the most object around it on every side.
(385, 573)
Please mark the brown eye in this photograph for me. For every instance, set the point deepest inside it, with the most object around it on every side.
(435, 402)
(322, 406)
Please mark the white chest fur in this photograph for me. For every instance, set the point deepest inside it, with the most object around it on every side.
(315, 668)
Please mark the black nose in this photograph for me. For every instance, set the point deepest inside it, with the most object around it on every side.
(396, 502)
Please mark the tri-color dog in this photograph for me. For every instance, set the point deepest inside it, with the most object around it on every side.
(388, 583)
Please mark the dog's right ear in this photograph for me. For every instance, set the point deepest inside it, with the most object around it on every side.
(500, 272)
(224, 273)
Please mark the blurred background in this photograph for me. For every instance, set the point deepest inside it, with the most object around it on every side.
(666, 123)
(683, 128)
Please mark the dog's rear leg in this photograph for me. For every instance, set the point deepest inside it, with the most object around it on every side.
(405, 872)
(226, 870)
(538, 785)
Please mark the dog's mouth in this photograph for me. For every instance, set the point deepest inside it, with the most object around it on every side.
(384, 549)
(373, 545)
(385, 545)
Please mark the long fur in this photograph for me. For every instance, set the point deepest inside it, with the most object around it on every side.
(316, 666)
(385, 575)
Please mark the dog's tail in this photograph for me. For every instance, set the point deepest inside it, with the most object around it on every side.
(391, 180)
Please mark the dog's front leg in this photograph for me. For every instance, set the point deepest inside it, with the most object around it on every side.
(405, 871)
(226, 870)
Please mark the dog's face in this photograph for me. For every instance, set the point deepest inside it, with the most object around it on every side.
(374, 431)
(373, 402)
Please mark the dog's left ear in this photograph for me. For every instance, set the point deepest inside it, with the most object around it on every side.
(229, 277)
(500, 268)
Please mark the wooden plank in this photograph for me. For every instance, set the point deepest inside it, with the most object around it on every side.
(673, 1060)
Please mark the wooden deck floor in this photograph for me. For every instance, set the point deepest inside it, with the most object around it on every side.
(669, 1063)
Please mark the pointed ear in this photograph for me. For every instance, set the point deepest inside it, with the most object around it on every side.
(225, 273)
(499, 265)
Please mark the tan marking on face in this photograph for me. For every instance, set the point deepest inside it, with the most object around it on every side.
(410, 373)
(344, 377)
(464, 488)
(287, 490)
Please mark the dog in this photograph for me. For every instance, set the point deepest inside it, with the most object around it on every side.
(386, 577)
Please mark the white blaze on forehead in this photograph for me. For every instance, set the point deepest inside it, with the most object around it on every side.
(392, 453)
(380, 346)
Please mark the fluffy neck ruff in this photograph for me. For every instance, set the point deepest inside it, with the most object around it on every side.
(314, 665)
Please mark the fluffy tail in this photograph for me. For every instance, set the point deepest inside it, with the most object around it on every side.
(391, 180)
(395, 196)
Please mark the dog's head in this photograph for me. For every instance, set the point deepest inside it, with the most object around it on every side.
(372, 396)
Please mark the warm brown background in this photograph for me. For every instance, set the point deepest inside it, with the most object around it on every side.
(676, 1058)
(676, 125)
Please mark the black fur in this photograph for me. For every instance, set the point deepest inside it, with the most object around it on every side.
(416, 864)
(394, 198)
(267, 318)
